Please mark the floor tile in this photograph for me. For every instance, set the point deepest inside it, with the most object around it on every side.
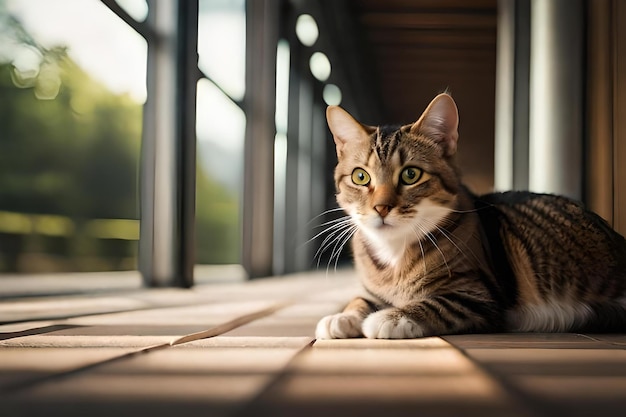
(299, 319)
(22, 365)
(174, 322)
(274, 328)
(526, 340)
(615, 339)
(379, 395)
(101, 365)
(145, 330)
(354, 361)
(135, 395)
(31, 328)
(383, 377)
(576, 395)
(573, 382)
(183, 380)
(384, 392)
(62, 283)
(204, 314)
(557, 362)
(25, 326)
(363, 343)
(63, 306)
(59, 341)
(251, 342)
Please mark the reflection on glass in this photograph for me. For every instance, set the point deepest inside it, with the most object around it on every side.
(71, 94)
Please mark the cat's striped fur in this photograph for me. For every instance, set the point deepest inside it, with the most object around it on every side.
(435, 259)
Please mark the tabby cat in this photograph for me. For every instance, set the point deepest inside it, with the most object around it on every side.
(435, 259)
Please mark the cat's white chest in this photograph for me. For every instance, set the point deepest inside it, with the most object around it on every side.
(388, 251)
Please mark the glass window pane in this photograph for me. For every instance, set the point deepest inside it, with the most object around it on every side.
(222, 44)
(137, 9)
(220, 130)
(72, 85)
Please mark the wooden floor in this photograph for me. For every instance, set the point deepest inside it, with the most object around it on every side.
(247, 349)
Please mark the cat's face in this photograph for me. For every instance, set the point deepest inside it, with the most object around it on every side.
(397, 183)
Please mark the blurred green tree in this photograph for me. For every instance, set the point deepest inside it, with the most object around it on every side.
(74, 155)
(70, 147)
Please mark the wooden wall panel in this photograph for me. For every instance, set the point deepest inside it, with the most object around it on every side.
(619, 116)
(599, 152)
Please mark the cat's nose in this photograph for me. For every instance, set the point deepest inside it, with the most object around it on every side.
(382, 209)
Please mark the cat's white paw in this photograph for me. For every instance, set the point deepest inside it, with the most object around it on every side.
(391, 324)
(339, 326)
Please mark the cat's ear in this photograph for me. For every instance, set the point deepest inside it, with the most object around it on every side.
(345, 129)
(440, 121)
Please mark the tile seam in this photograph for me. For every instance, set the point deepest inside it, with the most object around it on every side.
(212, 332)
(63, 317)
(531, 405)
(247, 409)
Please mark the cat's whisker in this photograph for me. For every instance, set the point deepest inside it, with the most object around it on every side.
(447, 221)
(484, 249)
(423, 256)
(474, 210)
(450, 236)
(325, 212)
(346, 240)
(344, 221)
(463, 211)
(327, 244)
(334, 233)
(340, 245)
(340, 219)
(433, 240)
(340, 242)
(330, 241)
(443, 256)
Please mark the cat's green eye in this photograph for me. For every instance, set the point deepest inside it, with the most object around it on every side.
(411, 175)
(360, 176)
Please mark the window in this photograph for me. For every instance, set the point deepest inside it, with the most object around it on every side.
(72, 80)
(85, 100)
(220, 127)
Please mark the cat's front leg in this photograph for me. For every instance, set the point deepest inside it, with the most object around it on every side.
(391, 323)
(346, 324)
